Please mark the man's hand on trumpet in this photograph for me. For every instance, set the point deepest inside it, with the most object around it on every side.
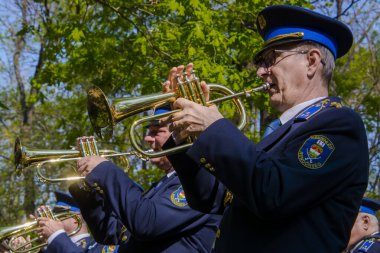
(193, 118)
(47, 226)
(88, 163)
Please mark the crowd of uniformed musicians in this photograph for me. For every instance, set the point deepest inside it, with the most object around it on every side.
(300, 189)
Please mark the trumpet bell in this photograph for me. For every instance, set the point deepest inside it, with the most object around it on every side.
(104, 115)
(100, 113)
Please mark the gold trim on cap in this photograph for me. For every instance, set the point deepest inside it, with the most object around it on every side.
(296, 35)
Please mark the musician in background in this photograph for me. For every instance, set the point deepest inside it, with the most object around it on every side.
(56, 232)
(297, 190)
(158, 220)
(365, 235)
(15, 243)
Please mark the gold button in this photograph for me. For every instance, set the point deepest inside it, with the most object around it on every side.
(95, 184)
(208, 166)
(101, 191)
(212, 169)
(217, 233)
(97, 188)
(124, 238)
(202, 160)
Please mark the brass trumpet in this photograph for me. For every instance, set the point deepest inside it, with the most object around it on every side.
(25, 157)
(104, 116)
(9, 234)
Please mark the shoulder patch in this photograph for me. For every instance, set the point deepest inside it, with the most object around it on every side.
(315, 151)
(109, 249)
(178, 197)
(310, 111)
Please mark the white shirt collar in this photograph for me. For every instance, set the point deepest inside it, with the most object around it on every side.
(170, 173)
(77, 238)
(290, 113)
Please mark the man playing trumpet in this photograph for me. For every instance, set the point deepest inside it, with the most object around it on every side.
(158, 220)
(298, 189)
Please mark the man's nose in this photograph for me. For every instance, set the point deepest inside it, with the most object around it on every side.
(149, 139)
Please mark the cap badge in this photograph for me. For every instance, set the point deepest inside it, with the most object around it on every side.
(262, 22)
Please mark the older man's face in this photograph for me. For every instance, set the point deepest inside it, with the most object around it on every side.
(287, 75)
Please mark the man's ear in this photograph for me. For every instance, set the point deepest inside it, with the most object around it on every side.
(314, 60)
(366, 221)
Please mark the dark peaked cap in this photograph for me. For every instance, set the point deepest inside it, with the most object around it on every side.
(280, 24)
(65, 199)
(370, 206)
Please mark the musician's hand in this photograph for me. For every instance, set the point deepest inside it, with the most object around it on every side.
(88, 163)
(193, 119)
(47, 227)
(172, 83)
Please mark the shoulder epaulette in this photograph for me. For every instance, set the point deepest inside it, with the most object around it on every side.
(317, 107)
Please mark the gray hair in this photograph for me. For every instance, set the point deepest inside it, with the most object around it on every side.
(327, 57)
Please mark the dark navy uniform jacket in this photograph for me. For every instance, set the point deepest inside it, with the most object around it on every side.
(158, 221)
(370, 244)
(298, 190)
(63, 244)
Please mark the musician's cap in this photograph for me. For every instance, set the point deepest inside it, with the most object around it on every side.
(370, 206)
(282, 24)
(158, 111)
(65, 201)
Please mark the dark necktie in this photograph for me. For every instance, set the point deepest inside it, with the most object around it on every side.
(272, 126)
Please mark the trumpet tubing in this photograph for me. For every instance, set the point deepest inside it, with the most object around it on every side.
(104, 115)
(25, 157)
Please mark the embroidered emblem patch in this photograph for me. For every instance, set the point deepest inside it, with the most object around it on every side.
(178, 197)
(109, 249)
(315, 151)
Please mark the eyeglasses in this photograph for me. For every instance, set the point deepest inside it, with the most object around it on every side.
(269, 59)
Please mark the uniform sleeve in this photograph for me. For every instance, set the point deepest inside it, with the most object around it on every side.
(144, 218)
(287, 181)
(203, 191)
(105, 227)
(63, 244)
